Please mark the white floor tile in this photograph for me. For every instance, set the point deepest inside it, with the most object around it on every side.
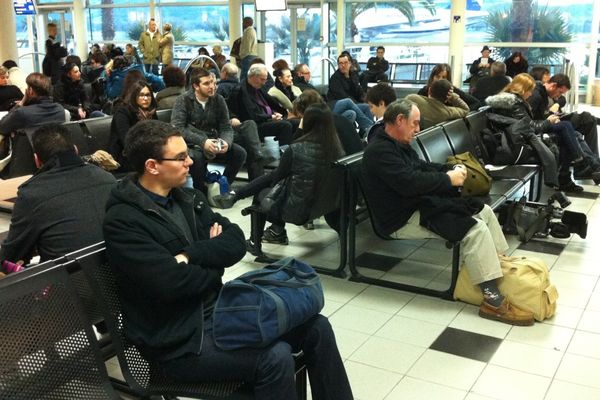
(382, 299)
(507, 384)
(543, 335)
(387, 354)
(359, 319)
(447, 369)
(349, 341)
(411, 331)
(585, 344)
(527, 358)
(560, 390)
(469, 320)
(475, 396)
(415, 389)
(339, 289)
(572, 297)
(330, 307)
(565, 316)
(370, 383)
(433, 310)
(564, 279)
(580, 370)
(590, 321)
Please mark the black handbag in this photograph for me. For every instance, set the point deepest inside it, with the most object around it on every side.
(526, 220)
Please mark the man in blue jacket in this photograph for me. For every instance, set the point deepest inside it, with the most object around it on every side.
(169, 251)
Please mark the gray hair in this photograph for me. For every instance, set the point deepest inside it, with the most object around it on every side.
(398, 107)
(3, 70)
(257, 69)
(230, 70)
(498, 68)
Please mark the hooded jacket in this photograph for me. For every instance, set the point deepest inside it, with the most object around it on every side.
(512, 105)
(163, 300)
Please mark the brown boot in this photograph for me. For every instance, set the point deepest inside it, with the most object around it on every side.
(507, 313)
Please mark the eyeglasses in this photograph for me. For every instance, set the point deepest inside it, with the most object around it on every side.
(144, 95)
(180, 157)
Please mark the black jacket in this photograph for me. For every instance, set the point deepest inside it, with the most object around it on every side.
(301, 83)
(59, 210)
(124, 117)
(399, 183)
(539, 101)
(9, 94)
(226, 86)
(489, 86)
(52, 63)
(377, 65)
(341, 87)
(70, 95)
(199, 124)
(242, 103)
(514, 106)
(475, 70)
(347, 134)
(471, 101)
(162, 299)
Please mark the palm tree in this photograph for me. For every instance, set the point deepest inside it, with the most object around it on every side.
(542, 26)
(220, 29)
(108, 22)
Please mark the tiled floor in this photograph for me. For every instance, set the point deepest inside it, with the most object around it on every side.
(398, 345)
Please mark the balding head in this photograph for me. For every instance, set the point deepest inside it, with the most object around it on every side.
(257, 75)
(229, 71)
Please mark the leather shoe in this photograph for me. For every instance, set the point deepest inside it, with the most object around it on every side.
(507, 313)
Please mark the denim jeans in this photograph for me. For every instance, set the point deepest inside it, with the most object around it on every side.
(151, 68)
(271, 370)
(364, 118)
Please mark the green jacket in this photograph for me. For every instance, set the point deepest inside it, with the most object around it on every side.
(150, 47)
(162, 299)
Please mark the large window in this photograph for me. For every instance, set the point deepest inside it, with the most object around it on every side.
(205, 24)
(119, 24)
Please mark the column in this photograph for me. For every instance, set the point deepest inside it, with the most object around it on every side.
(593, 52)
(457, 40)
(8, 33)
(235, 22)
(79, 29)
(341, 25)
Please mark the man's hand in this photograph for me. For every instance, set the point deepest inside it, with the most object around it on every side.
(277, 116)
(210, 146)
(81, 113)
(182, 258)
(235, 122)
(553, 118)
(215, 230)
(457, 176)
(554, 108)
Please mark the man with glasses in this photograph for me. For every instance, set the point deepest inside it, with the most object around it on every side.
(346, 94)
(169, 252)
(302, 77)
(202, 116)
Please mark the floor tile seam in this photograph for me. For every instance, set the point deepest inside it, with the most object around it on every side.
(539, 346)
(559, 365)
(396, 372)
(510, 369)
(577, 384)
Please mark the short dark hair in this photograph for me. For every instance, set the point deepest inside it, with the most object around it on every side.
(381, 92)
(39, 83)
(198, 73)
(173, 76)
(146, 140)
(380, 48)
(49, 140)
(99, 57)
(73, 59)
(561, 80)
(345, 54)
(439, 89)
(538, 73)
(120, 62)
(9, 64)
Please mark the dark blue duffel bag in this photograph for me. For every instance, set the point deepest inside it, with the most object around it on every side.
(258, 307)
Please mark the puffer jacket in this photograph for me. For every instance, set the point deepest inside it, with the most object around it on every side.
(70, 94)
(512, 105)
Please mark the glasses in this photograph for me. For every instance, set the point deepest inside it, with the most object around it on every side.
(180, 157)
(144, 95)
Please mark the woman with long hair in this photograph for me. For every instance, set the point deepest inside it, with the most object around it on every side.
(444, 71)
(284, 91)
(512, 102)
(138, 106)
(516, 64)
(307, 180)
(70, 93)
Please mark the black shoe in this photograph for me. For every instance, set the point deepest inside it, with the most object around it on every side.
(596, 177)
(562, 199)
(252, 248)
(270, 236)
(309, 226)
(570, 187)
(224, 201)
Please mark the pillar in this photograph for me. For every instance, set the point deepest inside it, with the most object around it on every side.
(8, 33)
(457, 40)
(235, 22)
(80, 33)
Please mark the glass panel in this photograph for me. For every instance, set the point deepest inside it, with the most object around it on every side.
(392, 21)
(118, 2)
(279, 33)
(529, 21)
(197, 23)
(57, 19)
(309, 40)
(122, 25)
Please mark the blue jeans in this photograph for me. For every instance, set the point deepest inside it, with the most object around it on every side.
(364, 118)
(151, 68)
(245, 66)
(271, 370)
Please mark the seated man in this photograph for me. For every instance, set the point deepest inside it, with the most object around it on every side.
(442, 104)
(37, 108)
(301, 77)
(545, 100)
(493, 83)
(202, 115)
(378, 98)
(376, 67)
(250, 101)
(229, 80)
(169, 251)
(345, 93)
(61, 208)
(415, 199)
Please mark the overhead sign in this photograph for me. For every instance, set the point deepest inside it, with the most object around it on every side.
(24, 7)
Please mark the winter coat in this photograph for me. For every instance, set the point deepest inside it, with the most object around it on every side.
(124, 118)
(434, 111)
(283, 98)
(71, 95)
(242, 103)
(166, 48)
(512, 105)
(166, 97)
(163, 300)
(150, 47)
(341, 87)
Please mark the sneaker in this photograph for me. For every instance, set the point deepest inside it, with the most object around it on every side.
(570, 187)
(260, 256)
(270, 236)
(507, 313)
(224, 201)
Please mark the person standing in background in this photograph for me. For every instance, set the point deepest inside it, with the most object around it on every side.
(249, 46)
(55, 52)
(166, 46)
(149, 45)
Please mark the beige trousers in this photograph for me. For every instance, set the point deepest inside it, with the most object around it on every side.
(479, 248)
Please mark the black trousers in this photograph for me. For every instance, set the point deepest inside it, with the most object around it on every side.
(246, 135)
(233, 160)
(271, 370)
(283, 130)
(587, 125)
